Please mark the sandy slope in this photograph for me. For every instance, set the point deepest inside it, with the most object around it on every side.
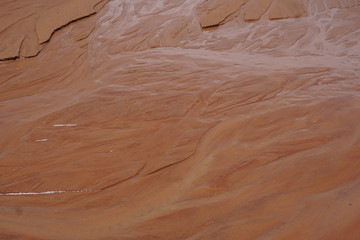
(182, 119)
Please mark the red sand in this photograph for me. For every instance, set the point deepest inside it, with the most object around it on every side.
(181, 119)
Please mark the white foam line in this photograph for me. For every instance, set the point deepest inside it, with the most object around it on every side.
(40, 193)
(65, 125)
(42, 140)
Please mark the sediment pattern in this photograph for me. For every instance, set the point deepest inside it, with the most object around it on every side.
(183, 119)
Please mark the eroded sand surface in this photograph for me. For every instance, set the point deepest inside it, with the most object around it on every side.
(181, 119)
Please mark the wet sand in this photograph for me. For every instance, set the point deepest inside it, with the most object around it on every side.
(183, 119)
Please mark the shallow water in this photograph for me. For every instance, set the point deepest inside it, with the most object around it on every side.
(136, 123)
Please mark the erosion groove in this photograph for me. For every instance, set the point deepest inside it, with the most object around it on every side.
(44, 19)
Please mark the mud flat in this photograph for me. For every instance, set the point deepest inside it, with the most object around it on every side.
(182, 119)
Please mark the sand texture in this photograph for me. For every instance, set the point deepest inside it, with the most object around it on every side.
(180, 119)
